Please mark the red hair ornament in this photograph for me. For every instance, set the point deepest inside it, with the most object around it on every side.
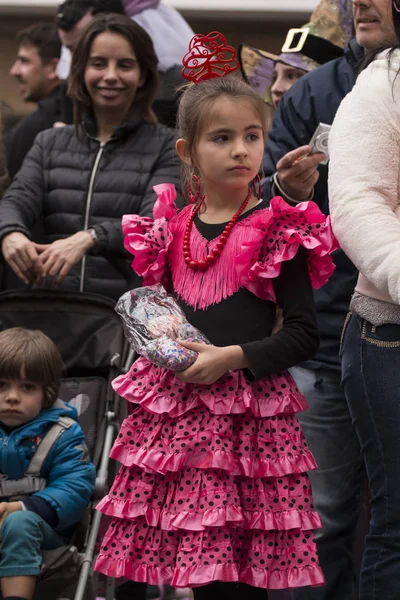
(209, 57)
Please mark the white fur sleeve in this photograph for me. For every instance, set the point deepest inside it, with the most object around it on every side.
(364, 176)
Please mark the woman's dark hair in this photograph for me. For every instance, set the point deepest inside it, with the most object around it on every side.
(195, 107)
(31, 354)
(143, 48)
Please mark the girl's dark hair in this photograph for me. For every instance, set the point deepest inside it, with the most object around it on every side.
(194, 110)
(31, 354)
(145, 55)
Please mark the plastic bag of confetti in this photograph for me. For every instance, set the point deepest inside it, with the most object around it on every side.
(152, 322)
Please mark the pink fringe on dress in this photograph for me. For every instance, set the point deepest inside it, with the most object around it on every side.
(256, 248)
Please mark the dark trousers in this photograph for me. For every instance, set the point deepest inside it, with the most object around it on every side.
(337, 484)
(371, 381)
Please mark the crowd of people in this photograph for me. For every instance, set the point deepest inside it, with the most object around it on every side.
(246, 472)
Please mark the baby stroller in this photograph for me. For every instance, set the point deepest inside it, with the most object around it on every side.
(90, 337)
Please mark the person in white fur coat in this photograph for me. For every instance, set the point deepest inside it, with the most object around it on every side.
(365, 209)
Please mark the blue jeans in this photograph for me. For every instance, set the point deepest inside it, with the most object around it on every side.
(23, 537)
(337, 484)
(371, 380)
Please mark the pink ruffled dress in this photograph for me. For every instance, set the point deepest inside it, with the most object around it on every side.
(213, 482)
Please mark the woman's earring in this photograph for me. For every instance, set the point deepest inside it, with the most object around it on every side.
(257, 187)
(194, 182)
(396, 6)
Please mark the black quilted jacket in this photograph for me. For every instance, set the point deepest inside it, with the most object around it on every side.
(69, 183)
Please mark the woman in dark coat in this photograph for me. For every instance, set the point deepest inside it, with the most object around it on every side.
(76, 183)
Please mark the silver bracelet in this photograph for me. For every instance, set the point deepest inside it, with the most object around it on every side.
(275, 179)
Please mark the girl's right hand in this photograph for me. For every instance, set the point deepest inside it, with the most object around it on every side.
(21, 254)
(212, 362)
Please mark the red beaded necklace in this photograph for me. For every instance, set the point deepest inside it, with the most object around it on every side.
(203, 264)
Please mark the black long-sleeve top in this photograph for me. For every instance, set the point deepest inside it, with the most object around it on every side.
(246, 320)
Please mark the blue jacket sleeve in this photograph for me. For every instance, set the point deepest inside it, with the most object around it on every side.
(293, 126)
(41, 508)
(70, 477)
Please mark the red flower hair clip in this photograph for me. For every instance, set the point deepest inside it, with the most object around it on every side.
(208, 57)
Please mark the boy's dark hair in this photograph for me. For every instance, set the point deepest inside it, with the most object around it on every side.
(44, 37)
(31, 353)
(145, 55)
(72, 11)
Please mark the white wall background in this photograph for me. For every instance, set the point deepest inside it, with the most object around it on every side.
(229, 7)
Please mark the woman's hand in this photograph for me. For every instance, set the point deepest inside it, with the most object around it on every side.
(212, 362)
(22, 256)
(58, 258)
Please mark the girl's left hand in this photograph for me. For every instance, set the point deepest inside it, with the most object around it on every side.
(212, 362)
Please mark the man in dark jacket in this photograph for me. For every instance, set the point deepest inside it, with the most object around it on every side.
(35, 70)
(337, 484)
(327, 424)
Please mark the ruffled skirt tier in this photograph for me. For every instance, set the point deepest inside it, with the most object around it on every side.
(212, 484)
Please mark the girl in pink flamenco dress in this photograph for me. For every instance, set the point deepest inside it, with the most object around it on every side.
(213, 492)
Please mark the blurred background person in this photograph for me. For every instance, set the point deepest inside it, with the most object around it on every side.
(36, 63)
(171, 36)
(35, 70)
(77, 183)
(271, 75)
(74, 16)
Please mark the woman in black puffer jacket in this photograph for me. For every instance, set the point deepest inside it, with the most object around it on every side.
(60, 221)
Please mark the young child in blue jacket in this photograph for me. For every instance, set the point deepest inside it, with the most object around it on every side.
(36, 512)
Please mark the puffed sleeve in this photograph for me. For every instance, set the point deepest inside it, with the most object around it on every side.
(148, 239)
(282, 230)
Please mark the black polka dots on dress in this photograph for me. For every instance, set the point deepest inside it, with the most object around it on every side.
(203, 491)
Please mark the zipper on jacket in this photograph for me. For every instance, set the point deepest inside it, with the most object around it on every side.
(88, 205)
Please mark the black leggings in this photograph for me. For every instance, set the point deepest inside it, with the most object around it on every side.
(229, 591)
